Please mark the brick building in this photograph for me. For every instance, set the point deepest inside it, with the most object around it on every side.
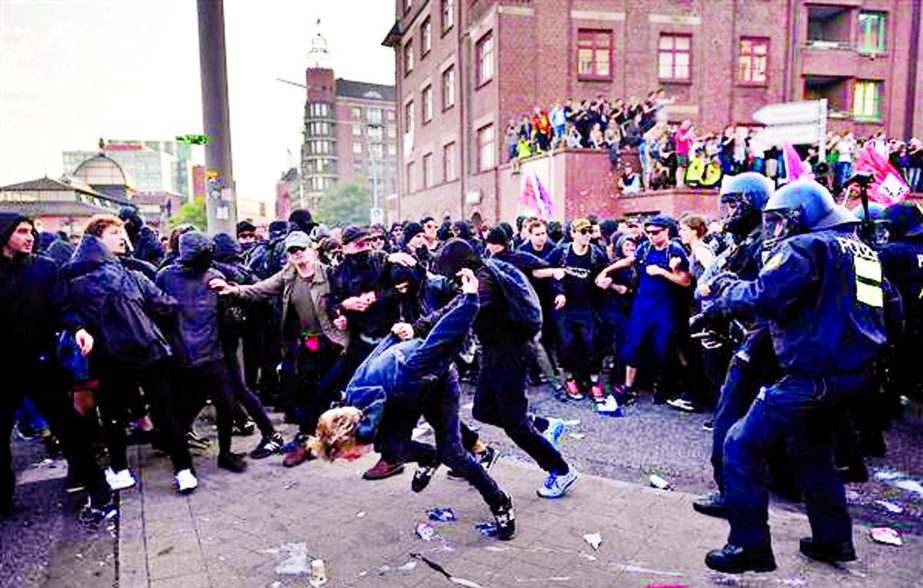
(465, 68)
(350, 132)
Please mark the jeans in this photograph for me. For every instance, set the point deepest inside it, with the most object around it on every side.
(808, 413)
(581, 351)
(212, 379)
(500, 400)
(242, 394)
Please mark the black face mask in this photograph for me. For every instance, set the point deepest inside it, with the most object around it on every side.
(360, 258)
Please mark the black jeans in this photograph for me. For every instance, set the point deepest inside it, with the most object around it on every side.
(117, 393)
(500, 400)
(242, 394)
(208, 380)
(46, 385)
(319, 374)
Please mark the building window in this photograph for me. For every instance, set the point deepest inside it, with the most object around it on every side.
(448, 88)
(448, 15)
(392, 150)
(872, 32)
(448, 163)
(357, 130)
(486, 148)
(355, 112)
(358, 166)
(357, 148)
(374, 115)
(410, 184)
(408, 4)
(426, 37)
(408, 117)
(753, 62)
(427, 170)
(408, 57)
(674, 57)
(867, 99)
(485, 58)
(594, 54)
(427, 104)
(392, 132)
(390, 116)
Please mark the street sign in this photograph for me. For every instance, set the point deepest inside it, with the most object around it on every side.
(795, 134)
(798, 123)
(377, 215)
(788, 113)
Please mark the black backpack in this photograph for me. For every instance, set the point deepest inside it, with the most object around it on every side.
(523, 309)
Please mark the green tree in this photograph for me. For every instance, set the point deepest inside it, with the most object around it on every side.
(192, 213)
(347, 203)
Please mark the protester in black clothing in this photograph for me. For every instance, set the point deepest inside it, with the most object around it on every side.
(34, 304)
(196, 341)
(115, 304)
(500, 397)
(246, 236)
(576, 307)
(145, 243)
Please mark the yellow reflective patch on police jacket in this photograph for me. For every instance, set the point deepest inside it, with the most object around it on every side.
(869, 269)
(774, 262)
(871, 295)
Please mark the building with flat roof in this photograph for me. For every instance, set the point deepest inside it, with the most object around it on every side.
(465, 69)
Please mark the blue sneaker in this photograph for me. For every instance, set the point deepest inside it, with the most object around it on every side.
(556, 486)
(554, 432)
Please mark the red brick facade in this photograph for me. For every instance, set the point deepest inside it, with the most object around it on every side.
(534, 61)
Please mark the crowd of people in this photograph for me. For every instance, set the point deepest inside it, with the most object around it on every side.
(355, 333)
(680, 155)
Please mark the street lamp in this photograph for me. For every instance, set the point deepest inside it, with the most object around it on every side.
(375, 215)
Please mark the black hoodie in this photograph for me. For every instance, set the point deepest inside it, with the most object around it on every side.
(118, 305)
(34, 302)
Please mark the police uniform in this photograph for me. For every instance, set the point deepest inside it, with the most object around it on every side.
(822, 295)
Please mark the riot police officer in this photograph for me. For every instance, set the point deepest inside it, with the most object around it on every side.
(753, 363)
(821, 291)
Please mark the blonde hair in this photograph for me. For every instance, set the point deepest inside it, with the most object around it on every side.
(335, 429)
(100, 222)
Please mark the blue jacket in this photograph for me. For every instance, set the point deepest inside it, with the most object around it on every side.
(403, 369)
(822, 293)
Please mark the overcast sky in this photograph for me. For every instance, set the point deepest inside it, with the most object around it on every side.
(72, 71)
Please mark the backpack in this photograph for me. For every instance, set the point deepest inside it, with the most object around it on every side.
(523, 309)
(265, 260)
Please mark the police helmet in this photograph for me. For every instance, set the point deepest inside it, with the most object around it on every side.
(906, 219)
(875, 230)
(745, 195)
(802, 206)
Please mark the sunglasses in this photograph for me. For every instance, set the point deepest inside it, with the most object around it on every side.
(585, 231)
(653, 231)
(377, 239)
(296, 250)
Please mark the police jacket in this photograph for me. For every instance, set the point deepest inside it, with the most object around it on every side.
(903, 265)
(822, 293)
(117, 305)
(390, 372)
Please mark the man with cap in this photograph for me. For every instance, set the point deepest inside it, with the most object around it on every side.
(246, 235)
(664, 272)
(357, 284)
(414, 242)
(303, 289)
(34, 304)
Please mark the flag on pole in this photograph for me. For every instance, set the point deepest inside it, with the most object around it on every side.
(794, 167)
(888, 187)
(534, 199)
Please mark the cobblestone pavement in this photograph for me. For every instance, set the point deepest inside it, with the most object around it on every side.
(237, 528)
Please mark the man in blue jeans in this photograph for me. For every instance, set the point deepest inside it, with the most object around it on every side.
(821, 291)
(400, 382)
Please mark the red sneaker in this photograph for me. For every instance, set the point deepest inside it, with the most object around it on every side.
(572, 390)
(597, 393)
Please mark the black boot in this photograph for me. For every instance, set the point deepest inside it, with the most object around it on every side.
(233, 462)
(732, 559)
(828, 552)
(711, 505)
(505, 518)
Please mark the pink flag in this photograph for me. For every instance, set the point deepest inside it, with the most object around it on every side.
(888, 187)
(546, 206)
(794, 168)
(534, 199)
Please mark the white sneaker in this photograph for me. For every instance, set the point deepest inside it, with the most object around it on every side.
(609, 406)
(554, 431)
(121, 480)
(556, 486)
(186, 481)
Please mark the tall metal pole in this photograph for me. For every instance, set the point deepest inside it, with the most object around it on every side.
(221, 203)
